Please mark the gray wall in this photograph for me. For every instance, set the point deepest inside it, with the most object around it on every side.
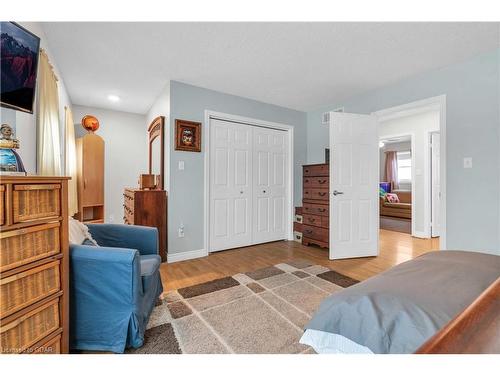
(472, 119)
(186, 187)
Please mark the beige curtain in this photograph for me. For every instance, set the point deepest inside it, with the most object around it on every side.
(48, 128)
(70, 161)
(391, 168)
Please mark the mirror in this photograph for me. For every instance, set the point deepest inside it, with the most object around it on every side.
(156, 149)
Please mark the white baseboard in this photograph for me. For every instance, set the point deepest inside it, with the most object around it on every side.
(185, 255)
(420, 234)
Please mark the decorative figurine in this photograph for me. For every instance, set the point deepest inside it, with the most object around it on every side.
(90, 123)
(10, 161)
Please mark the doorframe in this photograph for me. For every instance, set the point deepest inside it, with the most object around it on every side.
(436, 103)
(429, 135)
(413, 173)
(209, 114)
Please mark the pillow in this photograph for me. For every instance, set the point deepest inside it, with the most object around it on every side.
(382, 192)
(79, 233)
(392, 198)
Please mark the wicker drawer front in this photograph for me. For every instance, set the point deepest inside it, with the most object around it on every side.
(36, 201)
(316, 233)
(52, 346)
(2, 204)
(30, 328)
(317, 194)
(316, 182)
(316, 170)
(26, 288)
(22, 246)
(315, 209)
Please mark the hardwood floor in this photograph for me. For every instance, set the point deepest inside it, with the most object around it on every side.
(395, 248)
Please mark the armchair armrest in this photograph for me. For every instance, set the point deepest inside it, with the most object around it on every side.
(106, 288)
(98, 268)
(144, 239)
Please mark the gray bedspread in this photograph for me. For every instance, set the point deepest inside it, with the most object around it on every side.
(398, 310)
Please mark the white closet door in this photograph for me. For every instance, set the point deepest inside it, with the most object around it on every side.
(270, 177)
(230, 185)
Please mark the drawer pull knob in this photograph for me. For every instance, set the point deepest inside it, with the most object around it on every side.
(322, 209)
(322, 193)
(322, 181)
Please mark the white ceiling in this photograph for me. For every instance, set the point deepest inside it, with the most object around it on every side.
(298, 65)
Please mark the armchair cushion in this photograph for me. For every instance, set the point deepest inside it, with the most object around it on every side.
(150, 265)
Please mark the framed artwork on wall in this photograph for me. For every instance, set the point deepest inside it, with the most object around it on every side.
(187, 135)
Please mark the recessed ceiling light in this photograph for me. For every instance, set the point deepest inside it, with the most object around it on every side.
(113, 98)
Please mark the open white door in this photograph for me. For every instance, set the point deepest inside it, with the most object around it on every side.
(354, 175)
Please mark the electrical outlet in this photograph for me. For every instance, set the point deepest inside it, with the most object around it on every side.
(181, 231)
(181, 165)
(467, 162)
(111, 218)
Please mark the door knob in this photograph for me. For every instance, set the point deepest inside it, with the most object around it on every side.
(335, 192)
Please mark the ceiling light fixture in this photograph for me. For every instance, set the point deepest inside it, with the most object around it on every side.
(113, 98)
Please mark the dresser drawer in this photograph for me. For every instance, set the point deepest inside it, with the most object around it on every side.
(316, 233)
(128, 196)
(316, 182)
(52, 346)
(315, 209)
(316, 220)
(22, 246)
(316, 170)
(36, 201)
(317, 194)
(21, 333)
(2, 204)
(23, 289)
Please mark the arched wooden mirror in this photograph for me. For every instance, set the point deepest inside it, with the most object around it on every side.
(157, 149)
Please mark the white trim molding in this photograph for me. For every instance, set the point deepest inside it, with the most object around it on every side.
(206, 156)
(185, 255)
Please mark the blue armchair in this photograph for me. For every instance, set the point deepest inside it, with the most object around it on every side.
(114, 287)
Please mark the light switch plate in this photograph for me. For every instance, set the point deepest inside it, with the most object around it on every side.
(181, 165)
(468, 162)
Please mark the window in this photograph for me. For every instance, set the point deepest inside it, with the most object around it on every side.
(404, 166)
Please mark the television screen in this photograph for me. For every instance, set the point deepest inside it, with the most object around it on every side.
(19, 61)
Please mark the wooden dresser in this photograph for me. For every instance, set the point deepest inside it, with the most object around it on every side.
(148, 208)
(315, 202)
(34, 265)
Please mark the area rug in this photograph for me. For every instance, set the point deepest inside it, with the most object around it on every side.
(262, 311)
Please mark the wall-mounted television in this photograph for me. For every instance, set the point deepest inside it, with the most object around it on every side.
(18, 65)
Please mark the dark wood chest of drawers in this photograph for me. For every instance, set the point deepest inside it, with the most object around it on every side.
(315, 205)
(34, 265)
(148, 208)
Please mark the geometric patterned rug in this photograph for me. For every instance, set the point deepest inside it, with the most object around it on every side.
(262, 311)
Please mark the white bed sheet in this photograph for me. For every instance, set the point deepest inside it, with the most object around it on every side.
(331, 343)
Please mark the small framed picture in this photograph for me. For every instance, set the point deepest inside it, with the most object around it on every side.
(187, 135)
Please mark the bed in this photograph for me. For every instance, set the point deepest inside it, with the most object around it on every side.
(400, 309)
